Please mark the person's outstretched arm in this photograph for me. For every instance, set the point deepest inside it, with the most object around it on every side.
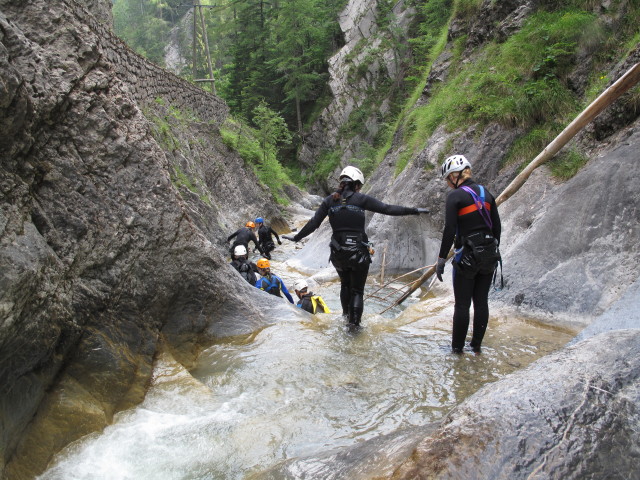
(276, 235)
(313, 223)
(375, 205)
(283, 287)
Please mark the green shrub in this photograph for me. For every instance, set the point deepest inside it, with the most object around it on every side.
(244, 140)
(567, 163)
(328, 161)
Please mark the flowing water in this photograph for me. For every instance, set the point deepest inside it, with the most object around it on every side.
(298, 389)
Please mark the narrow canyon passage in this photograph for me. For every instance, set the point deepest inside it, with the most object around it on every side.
(297, 389)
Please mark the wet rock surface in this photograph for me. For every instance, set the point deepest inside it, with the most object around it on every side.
(572, 247)
(573, 414)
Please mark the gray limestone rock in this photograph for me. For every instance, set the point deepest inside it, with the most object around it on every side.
(111, 234)
(572, 415)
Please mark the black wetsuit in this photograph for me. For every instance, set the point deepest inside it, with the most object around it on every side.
(349, 250)
(466, 289)
(242, 237)
(246, 268)
(266, 240)
(306, 302)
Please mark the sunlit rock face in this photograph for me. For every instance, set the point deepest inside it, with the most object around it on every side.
(102, 252)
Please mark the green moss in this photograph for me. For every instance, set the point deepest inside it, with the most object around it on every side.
(180, 179)
(243, 140)
(567, 163)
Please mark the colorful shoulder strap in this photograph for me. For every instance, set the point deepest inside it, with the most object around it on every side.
(480, 204)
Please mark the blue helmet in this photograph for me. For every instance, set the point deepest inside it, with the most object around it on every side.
(259, 220)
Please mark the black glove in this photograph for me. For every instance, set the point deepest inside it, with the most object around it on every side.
(289, 237)
(440, 267)
(279, 242)
(423, 210)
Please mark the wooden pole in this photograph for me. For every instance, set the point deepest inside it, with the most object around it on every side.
(384, 261)
(605, 99)
(206, 47)
(195, 34)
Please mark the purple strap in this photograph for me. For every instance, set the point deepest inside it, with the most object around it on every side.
(479, 201)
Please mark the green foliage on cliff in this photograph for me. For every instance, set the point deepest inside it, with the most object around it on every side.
(258, 150)
(567, 163)
(523, 82)
(274, 55)
(520, 83)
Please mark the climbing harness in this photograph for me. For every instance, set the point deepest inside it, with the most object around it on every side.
(479, 251)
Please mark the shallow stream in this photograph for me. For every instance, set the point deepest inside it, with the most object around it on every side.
(299, 389)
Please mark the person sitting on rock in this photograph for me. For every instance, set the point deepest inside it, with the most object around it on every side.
(265, 238)
(307, 300)
(270, 282)
(243, 236)
(240, 261)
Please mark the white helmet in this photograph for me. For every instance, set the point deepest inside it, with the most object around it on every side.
(300, 285)
(455, 163)
(352, 173)
(240, 250)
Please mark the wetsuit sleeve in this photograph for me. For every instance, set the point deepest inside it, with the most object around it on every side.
(255, 242)
(450, 223)
(375, 205)
(230, 237)
(283, 287)
(274, 233)
(315, 221)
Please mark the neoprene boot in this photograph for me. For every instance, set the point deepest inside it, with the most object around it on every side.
(355, 310)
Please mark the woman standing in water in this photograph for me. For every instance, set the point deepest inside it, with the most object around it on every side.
(349, 243)
(471, 218)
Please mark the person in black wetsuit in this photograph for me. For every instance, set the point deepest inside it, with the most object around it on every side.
(349, 242)
(243, 236)
(240, 261)
(265, 237)
(307, 300)
(471, 227)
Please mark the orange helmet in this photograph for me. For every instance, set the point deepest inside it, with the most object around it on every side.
(250, 225)
(263, 263)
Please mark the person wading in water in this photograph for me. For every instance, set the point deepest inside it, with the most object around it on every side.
(240, 261)
(349, 243)
(270, 282)
(265, 237)
(243, 236)
(307, 300)
(472, 220)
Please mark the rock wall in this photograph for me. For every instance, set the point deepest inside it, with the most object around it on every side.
(365, 51)
(573, 415)
(106, 250)
(569, 247)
